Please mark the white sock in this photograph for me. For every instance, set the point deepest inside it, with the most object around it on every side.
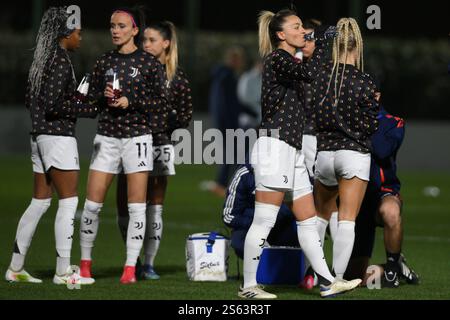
(64, 225)
(122, 222)
(89, 227)
(25, 231)
(343, 246)
(62, 264)
(321, 229)
(135, 232)
(333, 225)
(322, 225)
(153, 232)
(309, 240)
(263, 221)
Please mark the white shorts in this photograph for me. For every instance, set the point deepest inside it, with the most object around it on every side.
(130, 155)
(163, 161)
(280, 167)
(347, 164)
(309, 149)
(59, 152)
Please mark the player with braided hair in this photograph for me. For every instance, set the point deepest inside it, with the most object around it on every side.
(346, 117)
(54, 109)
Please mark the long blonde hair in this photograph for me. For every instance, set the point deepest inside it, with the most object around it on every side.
(348, 39)
(168, 32)
(269, 24)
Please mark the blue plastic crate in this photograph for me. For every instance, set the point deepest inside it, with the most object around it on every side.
(281, 265)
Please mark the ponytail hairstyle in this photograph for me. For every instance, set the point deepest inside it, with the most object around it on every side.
(349, 38)
(269, 24)
(168, 32)
(137, 15)
(311, 24)
(53, 27)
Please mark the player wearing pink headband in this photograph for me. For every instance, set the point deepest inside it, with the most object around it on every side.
(124, 135)
(129, 14)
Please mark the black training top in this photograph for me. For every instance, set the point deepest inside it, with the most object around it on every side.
(310, 116)
(53, 109)
(142, 81)
(180, 115)
(283, 102)
(349, 124)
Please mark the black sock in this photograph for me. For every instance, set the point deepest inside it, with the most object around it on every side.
(322, 280)
(392, 261)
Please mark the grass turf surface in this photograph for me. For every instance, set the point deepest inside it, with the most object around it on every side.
(189, 210)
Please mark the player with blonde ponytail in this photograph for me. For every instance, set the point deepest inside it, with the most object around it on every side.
(160, 40)
(346, 118)
(277, 160)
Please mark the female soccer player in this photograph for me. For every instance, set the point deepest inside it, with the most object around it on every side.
(346, 112)
(160, 39)
(309, 140)
(278, 162)
(123, 140)
(51, 101)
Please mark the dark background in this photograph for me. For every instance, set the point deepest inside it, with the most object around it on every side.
(399, 18)
(409, 56)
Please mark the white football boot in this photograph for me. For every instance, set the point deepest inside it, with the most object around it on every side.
(338, 287)
(20, 276)
(72, 277)
(255, 292)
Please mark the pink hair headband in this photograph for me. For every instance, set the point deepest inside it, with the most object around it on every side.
(129, 14)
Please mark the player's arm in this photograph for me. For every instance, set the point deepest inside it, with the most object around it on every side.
(59, 100)
(183, 102)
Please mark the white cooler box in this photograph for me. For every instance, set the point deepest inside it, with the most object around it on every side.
(207, 257)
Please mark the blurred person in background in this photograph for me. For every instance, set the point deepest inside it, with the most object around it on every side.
(224, 109)
(249, 94)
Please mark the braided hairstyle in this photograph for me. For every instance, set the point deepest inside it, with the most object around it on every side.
(53, 27)
(349, 38)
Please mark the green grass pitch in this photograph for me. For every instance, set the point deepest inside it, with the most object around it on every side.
(189, 210)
